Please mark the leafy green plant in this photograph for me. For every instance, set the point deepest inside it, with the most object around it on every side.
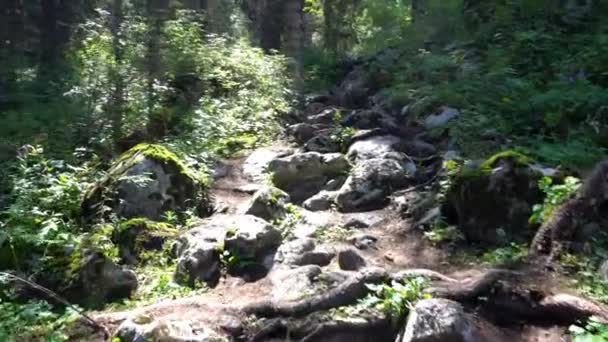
(41, 220)
(593, 331)
(334, 233)
(34, 321)
(394, 300)
(234, 262)
(555, 195)
(443, 233)
(341, 135)
(287, 224)
(511, 254)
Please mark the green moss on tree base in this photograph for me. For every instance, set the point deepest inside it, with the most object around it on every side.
(519, 159)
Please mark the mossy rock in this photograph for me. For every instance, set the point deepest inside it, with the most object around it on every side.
(146, 181)
(137, 236)
(493, 202)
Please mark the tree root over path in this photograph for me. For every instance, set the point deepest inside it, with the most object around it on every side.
(500, 293)
(317, 327)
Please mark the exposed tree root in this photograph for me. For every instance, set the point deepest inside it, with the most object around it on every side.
(347, 293)
(503, 293)
(316, 327)
(470, 289)
(499, 295)
(588, 205)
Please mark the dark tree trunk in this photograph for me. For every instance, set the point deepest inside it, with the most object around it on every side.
(272, 25)
(117, 101)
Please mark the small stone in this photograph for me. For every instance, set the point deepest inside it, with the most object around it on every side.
(363, 241)
(350, 260)
(441, 118)
(321, 201)
(389, 256)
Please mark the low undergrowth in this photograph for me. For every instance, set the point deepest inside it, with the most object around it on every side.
(394, 300)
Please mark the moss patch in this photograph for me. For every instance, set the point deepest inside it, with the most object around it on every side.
(162, 155)
(137, 236)
(519, 159)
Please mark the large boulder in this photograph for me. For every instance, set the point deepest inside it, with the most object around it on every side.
(254, 167)
(293, 284)
(98, 280)
(146, 181)
(304, 174)
(373, 147)
(492, 202)
(268, 203)
(144, 329)
(199, 254)
(442, 320)
(250, 237)
(371, 181)
(245, 237)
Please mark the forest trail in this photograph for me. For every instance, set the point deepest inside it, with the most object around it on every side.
(389, 241)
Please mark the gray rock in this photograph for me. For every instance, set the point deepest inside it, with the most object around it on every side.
(364, 220)
(321, 201)
(363, 241)
(327, 116)
(442, 320)
(303, 252)
(370, 183)
(293, 284)
(255, 165)
(302, 132)
(145, 329)
(268, 203)
(372, 147)
(249, 236)
(303, 175)
(350, 260)
(441, 118)
(335, 183)
(322, 143)
(100, 281)
(198, 252)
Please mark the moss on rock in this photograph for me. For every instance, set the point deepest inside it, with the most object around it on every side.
(492, 204)
(136, 236)
(169, 186)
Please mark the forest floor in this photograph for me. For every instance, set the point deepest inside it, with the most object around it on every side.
(399, 246)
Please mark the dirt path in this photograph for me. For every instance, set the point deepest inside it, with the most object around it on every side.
(398, 247)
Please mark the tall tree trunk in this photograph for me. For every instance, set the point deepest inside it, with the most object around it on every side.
(294, 35)
(157, 13)
(271, 25)
(330, 32)
(418, 9)
(117, 100)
